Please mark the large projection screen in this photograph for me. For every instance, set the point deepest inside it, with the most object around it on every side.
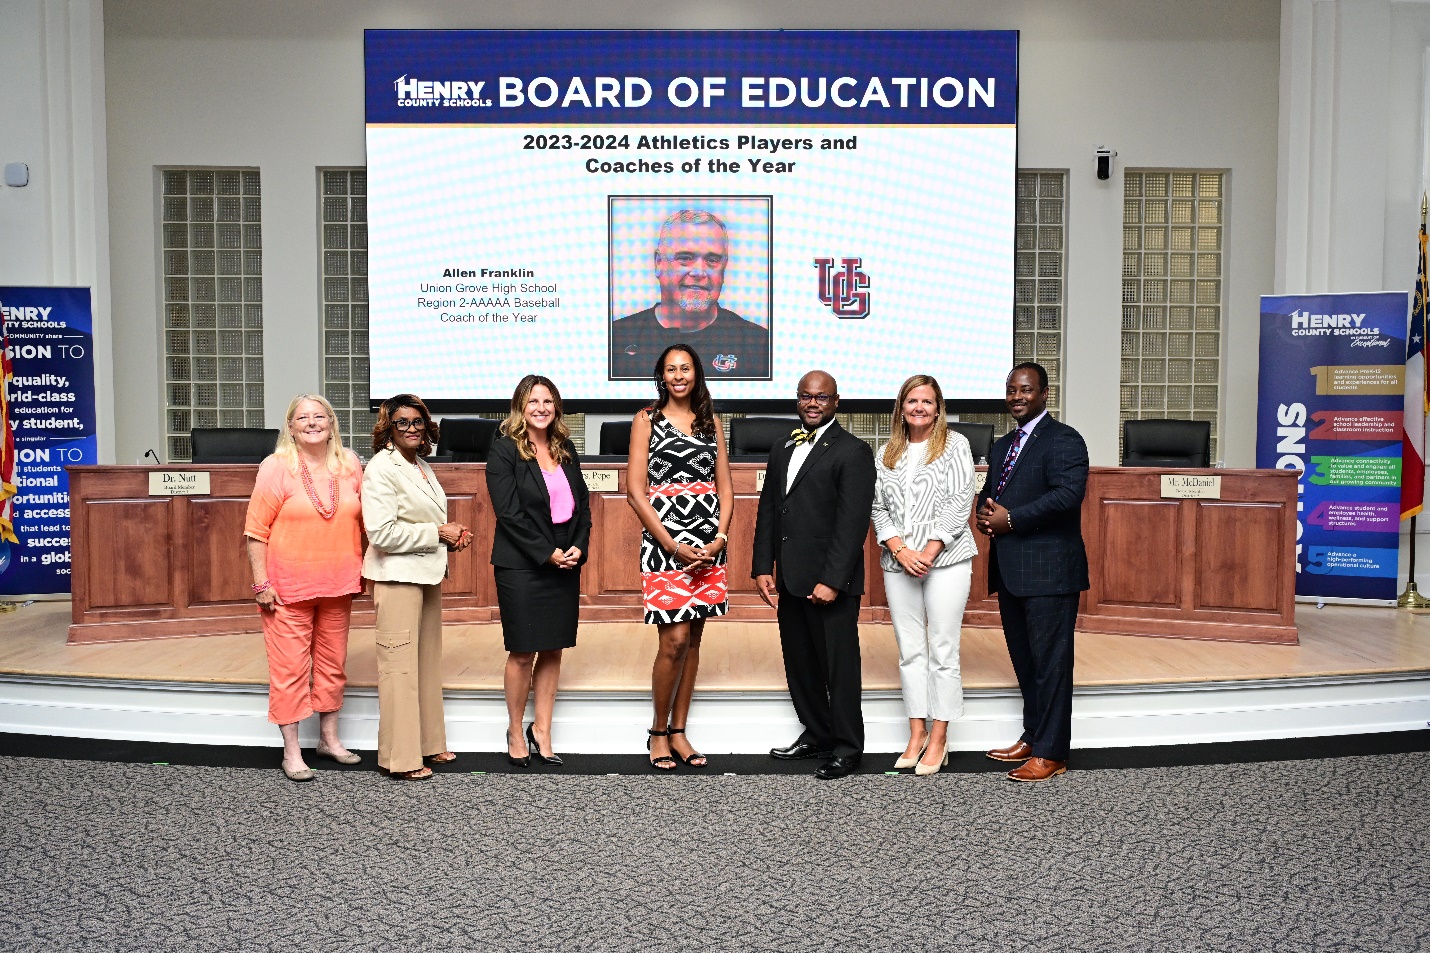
(568, 203)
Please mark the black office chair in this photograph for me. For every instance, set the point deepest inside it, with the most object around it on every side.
(1166, 443)
(979, 437)
(752, 438)
(464, 439)
(615, 438)
(231, 444)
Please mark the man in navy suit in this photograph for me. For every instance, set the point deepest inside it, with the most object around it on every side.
(1031, 509)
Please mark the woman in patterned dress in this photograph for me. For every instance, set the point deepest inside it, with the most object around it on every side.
(678, 482)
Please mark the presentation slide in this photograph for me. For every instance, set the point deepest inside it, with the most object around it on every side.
(570, 203)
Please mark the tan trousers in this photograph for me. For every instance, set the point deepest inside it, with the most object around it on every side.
(409, 674)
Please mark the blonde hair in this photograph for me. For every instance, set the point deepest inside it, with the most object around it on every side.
(899, 428)
(515, 424)
(338, 461)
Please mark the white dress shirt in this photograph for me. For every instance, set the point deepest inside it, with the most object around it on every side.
(801, 452)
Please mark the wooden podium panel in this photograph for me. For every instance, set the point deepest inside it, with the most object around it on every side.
(162, 567)
(1191, 568)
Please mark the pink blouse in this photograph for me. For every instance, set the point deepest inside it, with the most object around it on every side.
(563, 504)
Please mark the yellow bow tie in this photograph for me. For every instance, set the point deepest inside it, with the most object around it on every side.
(799, 435)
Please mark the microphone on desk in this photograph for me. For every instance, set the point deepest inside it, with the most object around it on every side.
(151, 453)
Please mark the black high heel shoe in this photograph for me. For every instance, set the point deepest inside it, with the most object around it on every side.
(665, 762)
(518, 762)
(535, 749)
(695, 756)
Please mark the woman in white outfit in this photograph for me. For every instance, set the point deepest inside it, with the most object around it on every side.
(921, 506)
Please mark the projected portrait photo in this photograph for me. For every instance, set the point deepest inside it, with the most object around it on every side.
(692, 269)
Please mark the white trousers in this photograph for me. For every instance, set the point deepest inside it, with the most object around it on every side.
(928, 619)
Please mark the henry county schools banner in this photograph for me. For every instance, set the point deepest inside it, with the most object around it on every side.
(1331, 405)
(518, 184)
(51, 400)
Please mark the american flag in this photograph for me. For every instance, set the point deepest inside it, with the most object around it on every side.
(1417, 399)
(7, 439)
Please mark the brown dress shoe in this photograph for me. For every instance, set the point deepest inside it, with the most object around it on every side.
(1038, 769)
(1020, 751)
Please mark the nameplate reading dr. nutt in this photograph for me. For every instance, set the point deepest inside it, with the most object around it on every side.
(178, 483)
(602, 481)
(1177, 486)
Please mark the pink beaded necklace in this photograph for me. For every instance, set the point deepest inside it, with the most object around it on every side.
(326, 512)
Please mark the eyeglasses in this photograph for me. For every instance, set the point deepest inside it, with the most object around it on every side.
(820, 399)
(313, 419)
(405, 424)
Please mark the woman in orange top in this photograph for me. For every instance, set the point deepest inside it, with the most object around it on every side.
(304, 534)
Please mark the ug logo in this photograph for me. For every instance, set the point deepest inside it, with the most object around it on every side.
(845, 291)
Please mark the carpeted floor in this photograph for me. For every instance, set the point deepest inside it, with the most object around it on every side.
(1317, 854)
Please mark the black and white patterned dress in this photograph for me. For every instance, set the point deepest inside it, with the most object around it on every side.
(681, 481)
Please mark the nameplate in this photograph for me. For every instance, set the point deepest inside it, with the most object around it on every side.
(178, 483)
(1177, 486)
(980, 480)
(602, 481)
(759, 481)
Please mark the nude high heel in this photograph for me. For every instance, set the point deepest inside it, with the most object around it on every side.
(903, 763)
(924, 770)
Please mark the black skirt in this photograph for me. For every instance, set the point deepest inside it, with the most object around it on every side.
(539, 607)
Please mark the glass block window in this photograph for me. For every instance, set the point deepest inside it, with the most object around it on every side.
(1173, 232)
(1040, 284)
(342, 214)
(211, 257)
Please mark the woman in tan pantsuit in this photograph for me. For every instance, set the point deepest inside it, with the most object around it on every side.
(405, 513)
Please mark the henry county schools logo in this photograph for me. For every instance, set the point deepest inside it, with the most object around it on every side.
(724, 363)
(843, 290)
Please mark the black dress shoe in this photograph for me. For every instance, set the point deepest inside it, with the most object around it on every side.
(799, 751)
(837, 768)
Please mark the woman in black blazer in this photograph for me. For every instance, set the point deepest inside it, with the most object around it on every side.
(543, 529)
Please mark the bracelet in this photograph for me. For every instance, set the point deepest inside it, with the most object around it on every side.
(723, 536)
(902, 547)
(261, 587)
(1010, 521)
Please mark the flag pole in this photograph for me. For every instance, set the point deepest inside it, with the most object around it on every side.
(1411, 597)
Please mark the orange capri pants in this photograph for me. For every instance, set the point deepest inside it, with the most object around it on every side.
(307, 645)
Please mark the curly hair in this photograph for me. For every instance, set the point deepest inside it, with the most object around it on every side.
(515, 424)
(383, 429)
(700, 401)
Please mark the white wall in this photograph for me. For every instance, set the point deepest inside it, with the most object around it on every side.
(278, 86)
(55, 231)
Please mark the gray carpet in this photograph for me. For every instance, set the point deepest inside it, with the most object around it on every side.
(1288, 856)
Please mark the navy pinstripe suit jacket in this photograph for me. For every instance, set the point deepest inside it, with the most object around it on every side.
(1044, 555)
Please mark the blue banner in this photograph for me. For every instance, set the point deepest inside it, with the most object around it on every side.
(1331, 405)
(692, 76)
(50, 333)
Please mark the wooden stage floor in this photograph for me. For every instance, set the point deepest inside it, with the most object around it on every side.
(744, 656)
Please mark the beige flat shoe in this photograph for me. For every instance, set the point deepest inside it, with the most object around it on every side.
(304, 773)
(348, 758)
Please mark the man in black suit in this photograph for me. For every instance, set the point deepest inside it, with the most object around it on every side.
(809, 565)
(1031, 508)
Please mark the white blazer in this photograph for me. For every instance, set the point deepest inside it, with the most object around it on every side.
(401, 513)
(920, 502)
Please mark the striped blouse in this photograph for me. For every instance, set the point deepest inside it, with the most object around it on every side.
(921, 501)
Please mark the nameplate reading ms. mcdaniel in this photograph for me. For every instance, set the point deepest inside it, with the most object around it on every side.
(1177, 486)
(178, 483)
